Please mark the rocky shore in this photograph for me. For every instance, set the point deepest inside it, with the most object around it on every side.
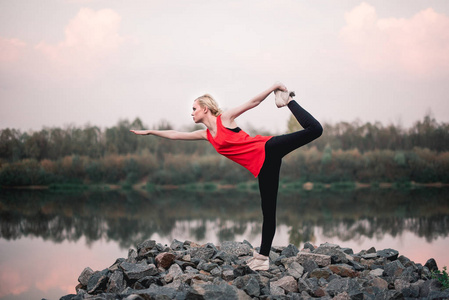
(185, 270)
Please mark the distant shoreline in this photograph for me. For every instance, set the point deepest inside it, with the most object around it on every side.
(307, 186)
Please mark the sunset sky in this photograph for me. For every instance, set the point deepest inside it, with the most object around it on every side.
(97, 62)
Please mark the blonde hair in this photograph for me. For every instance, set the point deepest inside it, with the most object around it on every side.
(210, 103)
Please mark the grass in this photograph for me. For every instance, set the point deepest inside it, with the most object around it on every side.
(442, 277)
(343, 185)
(68, 187)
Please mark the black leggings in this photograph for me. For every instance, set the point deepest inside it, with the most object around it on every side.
(275, 149)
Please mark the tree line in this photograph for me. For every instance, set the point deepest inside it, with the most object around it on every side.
(356, 151)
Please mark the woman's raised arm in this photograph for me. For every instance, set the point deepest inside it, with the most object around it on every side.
(229, 115)
(174, 135)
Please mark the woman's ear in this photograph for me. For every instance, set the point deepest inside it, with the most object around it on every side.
(205, 109)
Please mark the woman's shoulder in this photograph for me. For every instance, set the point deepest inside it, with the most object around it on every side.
(226, 120)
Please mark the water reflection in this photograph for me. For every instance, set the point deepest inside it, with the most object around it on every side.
(127, 218)
(47, 238)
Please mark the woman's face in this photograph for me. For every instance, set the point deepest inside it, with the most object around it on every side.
(198, 112)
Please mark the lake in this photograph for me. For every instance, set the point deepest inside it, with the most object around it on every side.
(47, 238)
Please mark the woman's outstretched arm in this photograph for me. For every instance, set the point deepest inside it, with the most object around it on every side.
(229, 115)
(174, 135)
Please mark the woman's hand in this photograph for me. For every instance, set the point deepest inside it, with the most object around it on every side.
(141, 132)
(279, 86)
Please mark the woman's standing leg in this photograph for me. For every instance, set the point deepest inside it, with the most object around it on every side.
(268, 187)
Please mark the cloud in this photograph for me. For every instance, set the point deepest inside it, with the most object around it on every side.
(418, 45)
(11, 282)
(90, 37)
(11, 49)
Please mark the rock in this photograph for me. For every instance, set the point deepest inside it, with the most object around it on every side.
(190, 244)
(162, 248)
(273, 256)
(334, 251)
(186, 270)
(389, 254)
(356, 265)
(309, 246)
(349, 285)
(176, 245)
(146, 282)
(347, 251)
(249, 284)
(206, 266)
(156, 292)
(97, 282)
(117, 262)
(329, 246)
(281, 258)
(394, 269)
(295, 269)
(439, 295)
(242, 271)
(290, 251)
(342, 296)
(370, 256)
(343, 270)
(309, 265)
(276, 290)
(146, 246)
(429, 286)
(227, 258)
(84, 276)
(431, 264)
(303, 285)
(116, 283)
(132, 256)
(410, 274)
(401, 285)
(216, 272)
(377, 272)
(236, 248)
(389, 294)
(191, 270)
(184, 264)
(425, 273)
(371, 250)
(136, 271)
(404, 260)
(228, 275)
(321, 260)
(202, 253)
(287, 283)
(215, 292)
(174, 271)
(379, 283)
(319, 293)
(321, 273)
(165, 259)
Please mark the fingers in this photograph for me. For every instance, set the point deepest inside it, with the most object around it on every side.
(138, 132)
(280, 86)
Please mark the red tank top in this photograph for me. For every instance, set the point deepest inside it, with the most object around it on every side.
(240, 147)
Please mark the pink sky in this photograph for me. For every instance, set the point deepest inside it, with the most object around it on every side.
(77, 62)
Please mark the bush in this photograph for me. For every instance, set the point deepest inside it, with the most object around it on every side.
(442, 277)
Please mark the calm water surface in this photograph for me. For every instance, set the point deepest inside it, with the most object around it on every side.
(48, 238)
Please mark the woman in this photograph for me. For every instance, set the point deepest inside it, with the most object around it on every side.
(261, 155)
